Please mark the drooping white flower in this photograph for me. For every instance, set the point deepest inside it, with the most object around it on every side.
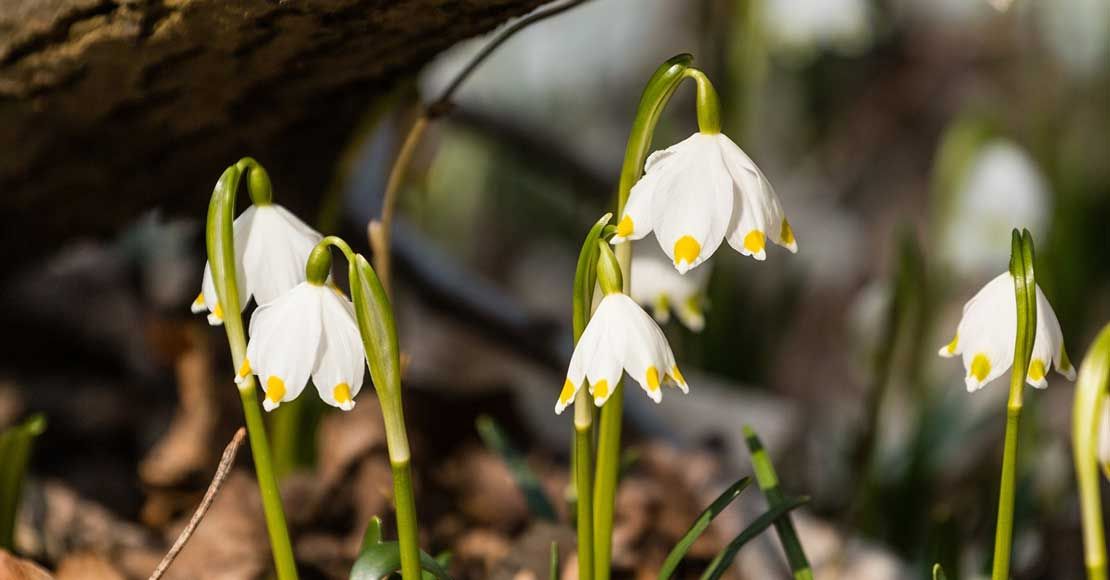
(987, 332)
(656, 285)
(271, 247)
(309, 332)
(699, 192)
(620, 337)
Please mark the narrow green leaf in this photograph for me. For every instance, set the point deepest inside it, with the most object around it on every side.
(494, 437)
(723, 560)
(585, 274)
(373, 535)
(15, 454)
(938, 573)
(768, 481)
(554, 575)
(700, 524)
(443, 559)
(382, 559)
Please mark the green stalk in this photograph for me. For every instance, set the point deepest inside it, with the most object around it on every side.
(221, 256)
(657, 93)
(768, 481)
(1090, 395)
(379, 341)
(1021, 267)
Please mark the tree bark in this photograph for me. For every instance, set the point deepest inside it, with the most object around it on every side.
(112, 107)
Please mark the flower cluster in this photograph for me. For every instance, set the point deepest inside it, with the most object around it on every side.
(302, 328)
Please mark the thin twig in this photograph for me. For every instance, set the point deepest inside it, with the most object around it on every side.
(222, 471)
(380, 231)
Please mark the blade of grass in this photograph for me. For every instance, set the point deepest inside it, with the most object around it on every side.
(494, 438)
(723, 560)
(938, 573)
(554, 573)
(769, 484)
(700, 524)
(15, 454)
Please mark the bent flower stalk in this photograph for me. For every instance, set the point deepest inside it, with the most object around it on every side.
(986, 335)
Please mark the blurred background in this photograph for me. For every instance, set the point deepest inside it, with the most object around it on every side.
(904, 138)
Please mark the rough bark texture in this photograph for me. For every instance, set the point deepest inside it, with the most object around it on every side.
(111, 107)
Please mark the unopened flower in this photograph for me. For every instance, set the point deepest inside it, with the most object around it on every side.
(656, 285)
(699, 192)
(988, 330)
(309, 332)
(620, 337)
(271, 246)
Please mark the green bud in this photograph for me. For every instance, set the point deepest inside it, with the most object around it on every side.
(318, 265)
(608, 269)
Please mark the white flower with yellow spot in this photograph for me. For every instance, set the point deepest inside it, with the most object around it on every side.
(271, 246)
(309, 332)
(620, 337)
(699, 192)
(988, 330)
(656, 285)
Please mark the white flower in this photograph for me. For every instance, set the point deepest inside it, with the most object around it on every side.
(987, 332)
(271, 248)
(620, 337)
(658, 286)
(699, 192)
(310, 331)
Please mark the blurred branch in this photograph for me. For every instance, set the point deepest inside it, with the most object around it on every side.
(222, 471)
(380, 233)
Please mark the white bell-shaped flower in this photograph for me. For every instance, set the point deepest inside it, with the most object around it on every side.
(658, 286)
(309, 332)
(987, 332)
(620, 337)
(271, 247)
(699, 192)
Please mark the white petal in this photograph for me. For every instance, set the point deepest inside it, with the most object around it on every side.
(276, 252)
(340, 365)
(758, 215)
(583, 351)
(692, 214)
(285, 340)
(987, 332)
(604, 364)
(646, 351)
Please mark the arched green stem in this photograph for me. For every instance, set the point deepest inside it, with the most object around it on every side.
(1090, 394)
(1021, 268)
(657, 93)
(379, 341)
(709, 105)
(220, 238)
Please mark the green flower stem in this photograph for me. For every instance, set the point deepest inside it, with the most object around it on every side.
(1021, 267)
(709, 105)
(768, 481)
(379, 341)
(658, 91)
(221, 256)
(583, 480)
(1090, 395)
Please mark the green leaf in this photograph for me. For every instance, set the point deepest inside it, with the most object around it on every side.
(723, 560)
(496, 440)
(1090, 395)
(768, 481)
(382, 559)
(554, 575)
(373, 534)
(700, 524)
(938, 573)
(585, 274)
(15, 454)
